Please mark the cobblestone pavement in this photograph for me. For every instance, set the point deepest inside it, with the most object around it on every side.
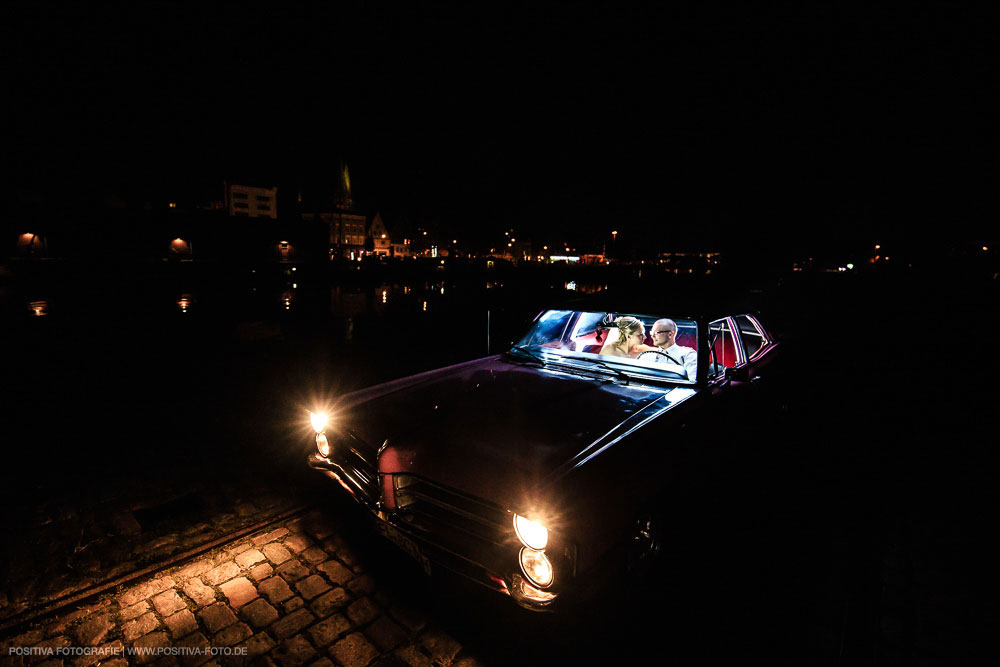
(293, 594)
(58, 555)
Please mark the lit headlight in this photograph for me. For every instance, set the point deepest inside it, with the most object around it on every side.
(531, 533)
(536, 567)
(322, 444)
(319, 420)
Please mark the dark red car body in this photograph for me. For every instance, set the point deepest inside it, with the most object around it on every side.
(444, 459)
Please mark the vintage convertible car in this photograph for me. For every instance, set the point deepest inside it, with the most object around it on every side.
(542, 472)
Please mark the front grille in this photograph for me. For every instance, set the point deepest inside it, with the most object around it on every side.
(463, 525)
(470, 536)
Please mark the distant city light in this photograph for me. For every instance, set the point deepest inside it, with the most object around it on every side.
(985, 248)
(877, 246)
(850, 266)
(173, 204)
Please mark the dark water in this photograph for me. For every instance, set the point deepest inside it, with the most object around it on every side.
(119, 379)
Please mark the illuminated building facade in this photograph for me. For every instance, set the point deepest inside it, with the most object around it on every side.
(379, 234)
(332, 205)
(347, 233)
(700, 263)
(251, 202)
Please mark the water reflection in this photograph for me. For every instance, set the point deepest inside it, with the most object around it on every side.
(354, 301)
(274, 298)
(348, 301)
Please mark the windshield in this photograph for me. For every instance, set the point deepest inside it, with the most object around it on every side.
(644, 346)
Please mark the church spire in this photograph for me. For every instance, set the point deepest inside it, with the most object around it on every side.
(342, 198)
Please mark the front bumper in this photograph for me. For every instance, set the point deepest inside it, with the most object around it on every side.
(481, 545)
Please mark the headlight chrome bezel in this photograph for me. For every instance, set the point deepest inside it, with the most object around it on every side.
(532, 534)
(526, 554)
(323, 445)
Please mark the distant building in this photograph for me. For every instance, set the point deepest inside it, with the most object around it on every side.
(402, 249)
(250, 201)
(347, 233)
(331, 204)
(379, 234)
(515, 251)
(695, 263)
(402, 236)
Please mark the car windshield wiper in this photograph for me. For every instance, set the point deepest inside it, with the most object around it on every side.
(619, 374)
(526, 352)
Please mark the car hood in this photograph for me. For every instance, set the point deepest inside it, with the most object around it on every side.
(493, 428)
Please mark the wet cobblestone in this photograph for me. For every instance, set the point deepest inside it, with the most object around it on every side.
(213, 602)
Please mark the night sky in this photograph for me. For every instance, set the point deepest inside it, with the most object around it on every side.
(798, 123)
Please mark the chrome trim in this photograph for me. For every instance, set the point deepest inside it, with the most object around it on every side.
(535, 584)
(502, 516)
(466, 535)
(635, 421)
(457, 510)
(351, 470)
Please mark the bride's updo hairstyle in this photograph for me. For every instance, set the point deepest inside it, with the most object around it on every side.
(626, 327)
